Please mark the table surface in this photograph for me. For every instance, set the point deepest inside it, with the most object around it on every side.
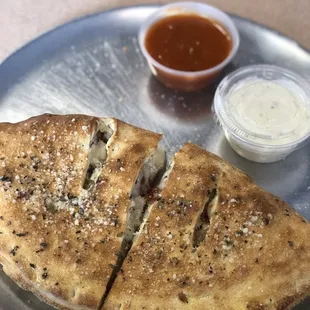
(23, 20)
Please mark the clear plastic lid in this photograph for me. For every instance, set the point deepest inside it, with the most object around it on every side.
(265, 106)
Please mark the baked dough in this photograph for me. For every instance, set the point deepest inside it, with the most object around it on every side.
(61, 227)
(72, 196)
(215, 240)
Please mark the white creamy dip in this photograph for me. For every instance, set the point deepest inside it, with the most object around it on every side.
(271, 113)
(264, 112)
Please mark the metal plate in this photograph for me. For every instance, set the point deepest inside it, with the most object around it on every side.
(94, 66)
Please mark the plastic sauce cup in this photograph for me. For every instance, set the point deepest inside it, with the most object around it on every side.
(267, 146)
(185, 80)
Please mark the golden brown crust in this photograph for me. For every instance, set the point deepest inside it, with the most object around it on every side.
(56, 240)
(256, 253)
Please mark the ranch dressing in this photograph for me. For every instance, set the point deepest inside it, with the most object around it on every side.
(263, 111)
(269, 112)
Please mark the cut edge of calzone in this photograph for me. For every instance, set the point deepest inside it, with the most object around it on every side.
(71, 198)
(214, 240)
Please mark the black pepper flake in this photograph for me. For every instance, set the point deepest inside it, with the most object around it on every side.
(228, 242)
(33, 266)
(256, 260)
(81, 211)
(184, 281)
(115, 222)
(23, 234)
(291, 243)
(43, 245)
(44, 275)
(78, 261)
(214, 251)
(183, 247)
(56, 283)
(213, 177)
(4, 178)
(13, 252)
(180, 203)
(265, 220)
(239, 233)
(78, 232)
(62, 198)
(183, 297)
(22, 194)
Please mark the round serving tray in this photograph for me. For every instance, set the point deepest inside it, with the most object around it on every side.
(94, 66)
